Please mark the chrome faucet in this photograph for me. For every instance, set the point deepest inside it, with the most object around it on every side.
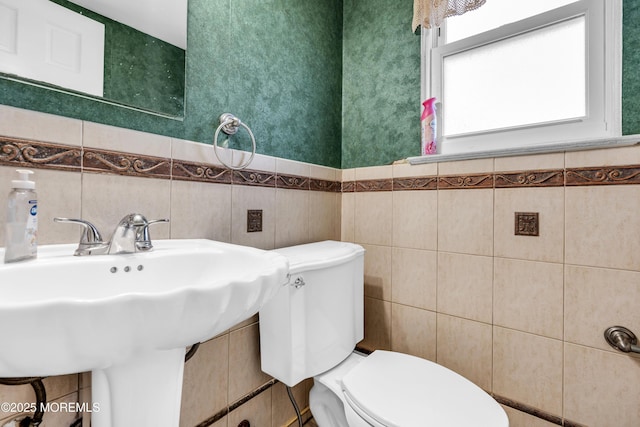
(130, 236)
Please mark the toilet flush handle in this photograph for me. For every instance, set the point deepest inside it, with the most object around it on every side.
(299, 282)
(622, 339)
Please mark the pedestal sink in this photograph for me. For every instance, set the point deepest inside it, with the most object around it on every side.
(128, 318)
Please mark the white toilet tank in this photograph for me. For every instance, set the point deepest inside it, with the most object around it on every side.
(316, 319)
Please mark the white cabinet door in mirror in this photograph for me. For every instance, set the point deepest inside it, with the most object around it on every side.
(43, 41)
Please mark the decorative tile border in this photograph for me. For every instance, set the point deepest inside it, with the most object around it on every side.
(374, 185)
(125, 164)
(25, 153)
(42, 155)
(292, 182)
(255, 178)
(348, 187)
(539, 178)
(417, 183)
(465, 181)
(324, 185)
(613, 175)
(187, 171)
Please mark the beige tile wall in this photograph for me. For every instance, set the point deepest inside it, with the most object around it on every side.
(227, 367)
(523, 317)
(446, 279)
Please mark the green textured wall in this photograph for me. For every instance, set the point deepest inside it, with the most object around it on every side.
(143, 71)
(276, 64)
(631, 68)
(381, 83)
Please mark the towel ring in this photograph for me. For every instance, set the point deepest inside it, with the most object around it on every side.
(229, 124)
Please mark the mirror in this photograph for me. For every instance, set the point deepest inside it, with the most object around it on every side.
(129, 53)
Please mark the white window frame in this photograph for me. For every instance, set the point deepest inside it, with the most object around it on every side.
(603, 74)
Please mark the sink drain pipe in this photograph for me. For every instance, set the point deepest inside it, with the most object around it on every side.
(41, 398)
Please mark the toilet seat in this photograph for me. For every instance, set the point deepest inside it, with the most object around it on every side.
(397, 390)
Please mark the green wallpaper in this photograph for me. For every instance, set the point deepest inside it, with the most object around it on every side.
(276, 64)
(143, 71)
(381, 83)
(631, 68)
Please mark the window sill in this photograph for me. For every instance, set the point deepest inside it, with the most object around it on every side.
(623, 141)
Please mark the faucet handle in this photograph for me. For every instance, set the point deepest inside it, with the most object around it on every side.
(90, 233)
(143, 239)
(90, 238)
(154, 221)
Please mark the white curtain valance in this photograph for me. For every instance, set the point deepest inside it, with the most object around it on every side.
(431, 13)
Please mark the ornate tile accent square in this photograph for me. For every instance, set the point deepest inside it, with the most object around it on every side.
(527, 224)
(254, 220)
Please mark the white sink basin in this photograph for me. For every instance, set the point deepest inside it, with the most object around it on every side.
(128, 318)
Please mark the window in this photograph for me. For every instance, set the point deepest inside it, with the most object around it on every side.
(518, 73)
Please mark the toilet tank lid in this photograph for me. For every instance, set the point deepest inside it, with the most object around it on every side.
(398, 390)
(313, 256)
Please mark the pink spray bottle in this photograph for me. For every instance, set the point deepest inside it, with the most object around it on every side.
(428, 127)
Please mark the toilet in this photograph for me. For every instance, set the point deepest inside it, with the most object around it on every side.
(310, 328)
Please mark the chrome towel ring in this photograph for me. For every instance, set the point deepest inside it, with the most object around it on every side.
(229, 124)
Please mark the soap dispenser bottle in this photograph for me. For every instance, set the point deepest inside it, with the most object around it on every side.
(22, 219)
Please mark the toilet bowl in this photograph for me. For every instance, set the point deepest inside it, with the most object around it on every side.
(389, 389)
(309, 330)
